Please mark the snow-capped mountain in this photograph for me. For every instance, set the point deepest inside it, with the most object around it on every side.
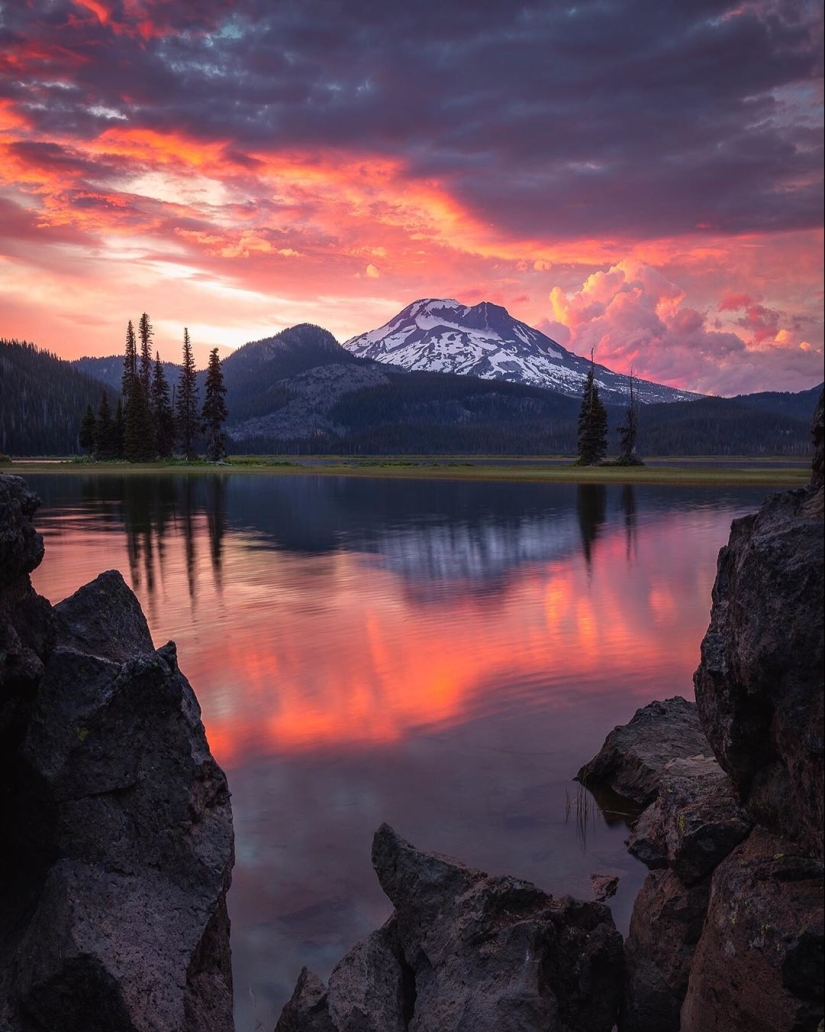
(485, 340)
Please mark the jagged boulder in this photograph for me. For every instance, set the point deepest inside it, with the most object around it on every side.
(665, 926)
(758, 965)
(634, 755)
(694, 822)
(465, 952)
(759, 687)
(25, 617)
(118, 830)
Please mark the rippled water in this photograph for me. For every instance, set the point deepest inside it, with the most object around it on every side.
(440, 655)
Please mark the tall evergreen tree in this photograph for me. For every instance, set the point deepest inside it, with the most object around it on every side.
(138, 432)
(105, 447)
(145, 332)
(88, 430)
(164, 418)
(187, 401)
(629, 430)
(592, 428)
(214, 409)
(129, 361)
(135, 432)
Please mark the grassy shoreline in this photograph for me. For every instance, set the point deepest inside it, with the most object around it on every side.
(744, 470)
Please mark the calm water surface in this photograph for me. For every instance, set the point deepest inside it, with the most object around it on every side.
(442, 656)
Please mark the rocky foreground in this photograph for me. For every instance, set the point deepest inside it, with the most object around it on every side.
(727, 931)
(117, 830)
(118, 848)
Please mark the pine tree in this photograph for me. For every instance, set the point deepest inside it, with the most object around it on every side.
(187, 401)
(104, 435)
(162, 413)
(629, 430)
(129, 361)
(592, 435)
(214, 410)
(88, 429)
(145, 332)
(138, 432)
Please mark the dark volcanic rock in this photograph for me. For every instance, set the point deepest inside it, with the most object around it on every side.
(759, 962)
(664, 929)
(604, 886)
(367, 988)
(25, 617)
(464, 952)
(307, 1009)
(759, 687)
(631, 761)
(118, 847)
(694, 822)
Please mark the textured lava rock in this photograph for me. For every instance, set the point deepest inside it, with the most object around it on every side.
(758, 965)
(25, 617)
(118, 830)
(664, 930)
(759, 687)
(694, 822)
(634, 755)
(464, 952)
(307, 1009)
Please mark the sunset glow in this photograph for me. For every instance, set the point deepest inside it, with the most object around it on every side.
(241, 167)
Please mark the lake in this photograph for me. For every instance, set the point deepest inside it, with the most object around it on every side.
(441, 655)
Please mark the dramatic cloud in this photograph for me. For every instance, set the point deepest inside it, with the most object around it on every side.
(633, 317)
(252, 163)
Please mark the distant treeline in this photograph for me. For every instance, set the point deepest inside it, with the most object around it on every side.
(462, 415)
(42, 401)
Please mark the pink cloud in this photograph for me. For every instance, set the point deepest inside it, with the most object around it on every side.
(631, 315)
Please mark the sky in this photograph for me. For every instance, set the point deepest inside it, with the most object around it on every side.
(638, 177)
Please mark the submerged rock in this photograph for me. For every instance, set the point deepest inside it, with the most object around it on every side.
(634, 755)
(604, 886)
(759, 687)
(118, 849)
(758, 965)
(466, 952)
(694, 822)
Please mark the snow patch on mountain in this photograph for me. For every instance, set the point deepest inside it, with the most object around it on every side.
(484, 340)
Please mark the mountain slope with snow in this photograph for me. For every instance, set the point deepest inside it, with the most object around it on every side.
(485, 340)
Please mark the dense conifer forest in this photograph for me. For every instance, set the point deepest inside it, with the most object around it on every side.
(42, 401)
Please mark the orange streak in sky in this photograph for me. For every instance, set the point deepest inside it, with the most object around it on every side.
(97, 8)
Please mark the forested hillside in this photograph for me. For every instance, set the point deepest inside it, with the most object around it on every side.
(42, 401)
(442, 413)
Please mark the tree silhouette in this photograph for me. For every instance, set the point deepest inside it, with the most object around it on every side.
(105, 444)
(629, 430)
(88, 430)
(162, 413)
(187, 401)
(145, 332)
(129, 361)
(214, 410)
(592, 427)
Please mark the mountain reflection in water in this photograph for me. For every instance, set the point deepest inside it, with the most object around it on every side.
(440, 655)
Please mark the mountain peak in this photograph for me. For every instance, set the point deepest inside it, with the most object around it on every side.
(484, 340)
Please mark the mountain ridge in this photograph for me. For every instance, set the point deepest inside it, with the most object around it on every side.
(484, 340)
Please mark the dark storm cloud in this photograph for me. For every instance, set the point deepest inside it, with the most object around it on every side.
(598, 118)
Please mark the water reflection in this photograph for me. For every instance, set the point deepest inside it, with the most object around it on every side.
(443, 656)
(591, 509)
